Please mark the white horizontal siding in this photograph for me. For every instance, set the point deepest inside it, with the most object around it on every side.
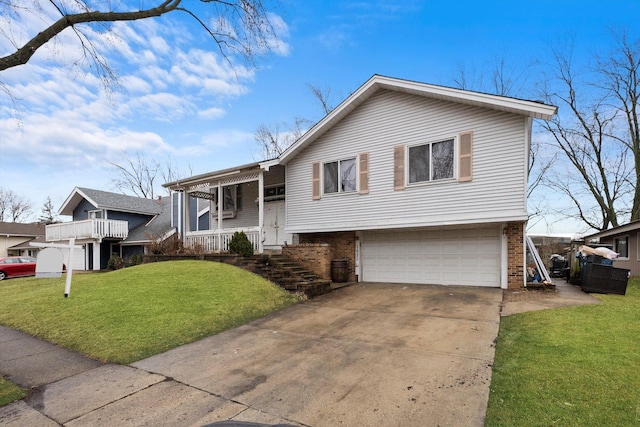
(496, 193)
(245, 217)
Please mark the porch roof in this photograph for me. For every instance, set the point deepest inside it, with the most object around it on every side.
(226, 176)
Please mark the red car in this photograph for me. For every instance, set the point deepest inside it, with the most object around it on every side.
(16, 266)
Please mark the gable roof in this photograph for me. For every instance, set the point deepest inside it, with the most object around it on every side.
(112, 201)
(621, 229)
(158, 226)
(17, 229)
(376, 83)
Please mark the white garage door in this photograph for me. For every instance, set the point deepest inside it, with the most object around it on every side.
(469, 257)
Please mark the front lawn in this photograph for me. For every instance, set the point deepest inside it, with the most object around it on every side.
(130, 314)
(577, 366)
(10, 392)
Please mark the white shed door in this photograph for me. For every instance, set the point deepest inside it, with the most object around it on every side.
(469, 257)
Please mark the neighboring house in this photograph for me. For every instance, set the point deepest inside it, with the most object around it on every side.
(107, 224)
(409, 182)
(625, 240)
(15, 238)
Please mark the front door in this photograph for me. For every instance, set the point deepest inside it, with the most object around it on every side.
(274, 224)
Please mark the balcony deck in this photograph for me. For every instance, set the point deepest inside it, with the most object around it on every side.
(87, 229)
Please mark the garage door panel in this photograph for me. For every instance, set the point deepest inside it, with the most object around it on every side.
(453, 257)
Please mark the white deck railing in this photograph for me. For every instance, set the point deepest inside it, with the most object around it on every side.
(218, 240)
(88, 229)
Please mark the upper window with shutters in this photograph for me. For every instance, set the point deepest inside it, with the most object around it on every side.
(433, 161)
(350, 175)
(340, 176)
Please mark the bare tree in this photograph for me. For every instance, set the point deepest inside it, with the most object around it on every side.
(323, 96)
(621, 81)
(142, 176)
(13, 207)
(273, 140)
(238, 27)
(498, 79)
(597, 135)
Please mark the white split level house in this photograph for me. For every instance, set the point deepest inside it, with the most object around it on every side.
(409, 182)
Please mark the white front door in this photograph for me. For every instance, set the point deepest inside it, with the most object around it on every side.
(274, 224)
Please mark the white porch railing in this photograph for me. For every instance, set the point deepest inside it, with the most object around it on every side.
(87, 229)
(218, 240)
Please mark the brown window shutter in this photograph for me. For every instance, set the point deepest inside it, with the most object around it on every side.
(465, 156)
(364, 173)
(398, 167)
(315, 181)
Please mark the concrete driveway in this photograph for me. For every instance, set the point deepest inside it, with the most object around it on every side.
(368, 354)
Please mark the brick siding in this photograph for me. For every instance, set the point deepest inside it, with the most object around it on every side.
(315, 257)
(342, 245)
(515, 255)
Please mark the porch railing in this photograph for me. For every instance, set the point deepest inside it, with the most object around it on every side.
(218, 240)
(87, 229)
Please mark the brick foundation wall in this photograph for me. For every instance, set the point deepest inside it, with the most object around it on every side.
(342, 246)
(315, 257)
(515, 255)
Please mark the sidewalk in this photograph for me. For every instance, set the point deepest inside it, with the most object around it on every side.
(565, 295)
(32, 362)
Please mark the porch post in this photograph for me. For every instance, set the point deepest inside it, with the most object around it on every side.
(187, 213)
(261, 211)
(96, 254)
(220, 203)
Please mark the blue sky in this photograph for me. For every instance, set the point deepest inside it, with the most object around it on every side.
(178, 100)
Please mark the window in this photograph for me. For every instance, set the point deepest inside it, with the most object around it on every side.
(275, 192)
(97, 214)
(621, 246)
(431, 162)
(231, 201)
(340, 176)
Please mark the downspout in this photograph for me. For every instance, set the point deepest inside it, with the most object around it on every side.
(220, 203)
(261, 211)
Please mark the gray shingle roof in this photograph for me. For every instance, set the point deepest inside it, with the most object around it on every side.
(121, 202)
(158, 226)
(20, 229)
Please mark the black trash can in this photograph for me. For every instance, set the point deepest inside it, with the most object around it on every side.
(605, 279)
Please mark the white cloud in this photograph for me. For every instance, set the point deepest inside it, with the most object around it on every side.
(135, 84)
(171, 84)
(278, 43)
(211, 113)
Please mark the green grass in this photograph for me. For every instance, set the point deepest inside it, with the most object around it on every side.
(10, 392)
(577, 366)
(127, 315)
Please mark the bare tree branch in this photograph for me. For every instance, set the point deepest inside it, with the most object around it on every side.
(242, 26)
(142, 176)
(13, 207)
(604, 157)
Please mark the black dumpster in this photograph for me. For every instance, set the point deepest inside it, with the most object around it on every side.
(604, 279)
